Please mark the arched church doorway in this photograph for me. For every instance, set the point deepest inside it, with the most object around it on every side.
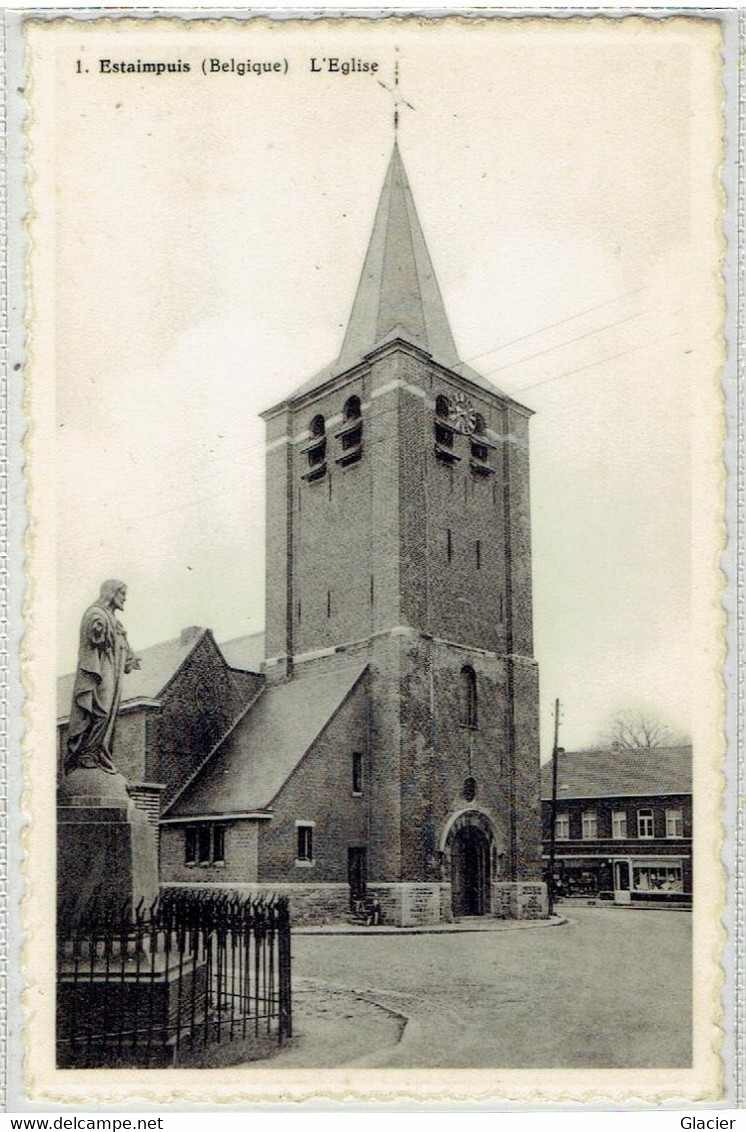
(470, 861)
(470, 872)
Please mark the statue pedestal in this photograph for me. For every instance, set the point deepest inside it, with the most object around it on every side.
(106, 848)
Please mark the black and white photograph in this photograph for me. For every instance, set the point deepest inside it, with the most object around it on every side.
(376, 492)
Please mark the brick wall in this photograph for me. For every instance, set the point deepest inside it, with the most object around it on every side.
(239, 867)
(369, 554)
(198, 707)
(320, 791)
(604, 807)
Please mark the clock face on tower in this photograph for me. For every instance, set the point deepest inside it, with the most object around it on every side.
(461, 413)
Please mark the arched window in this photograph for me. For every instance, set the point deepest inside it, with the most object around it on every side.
(352, 408)
(315, 450)
(443, 432)
(479, 425)
(468, 690)
(350, 435)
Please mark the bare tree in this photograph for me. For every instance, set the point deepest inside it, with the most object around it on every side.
(631, 730)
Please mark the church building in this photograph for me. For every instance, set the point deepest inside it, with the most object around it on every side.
(388, 743)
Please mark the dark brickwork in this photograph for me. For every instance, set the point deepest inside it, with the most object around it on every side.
(421, 567)
(320, 790)
(165, 745)
(199, 705)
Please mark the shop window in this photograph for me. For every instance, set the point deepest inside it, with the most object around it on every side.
(619, 824)
(357, 773)
(645, 823)
(304, 834)
(674, 823)
(590, 825)
(468, 689)
(562, 827)
(657, 878)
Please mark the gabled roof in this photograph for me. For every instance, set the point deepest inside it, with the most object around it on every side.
(610, 773)
(158, 665)
(256, 758)
(398, 295)
(244, 652)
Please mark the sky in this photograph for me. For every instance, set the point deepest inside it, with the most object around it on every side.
(208, 234)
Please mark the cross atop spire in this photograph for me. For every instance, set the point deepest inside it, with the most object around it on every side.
(397, 101)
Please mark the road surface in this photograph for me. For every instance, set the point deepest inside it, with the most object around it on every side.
(610, 989)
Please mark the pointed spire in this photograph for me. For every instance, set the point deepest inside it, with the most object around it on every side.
(398, 294)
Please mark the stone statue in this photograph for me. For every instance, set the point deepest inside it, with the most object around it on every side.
(103, 659)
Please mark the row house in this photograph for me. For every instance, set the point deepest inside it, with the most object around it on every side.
(623, 824)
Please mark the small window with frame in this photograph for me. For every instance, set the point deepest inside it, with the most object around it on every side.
(674, 823)
(304, 843)
(562, 827)
(357, 774)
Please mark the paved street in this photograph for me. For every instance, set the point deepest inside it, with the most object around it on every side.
(609, 989)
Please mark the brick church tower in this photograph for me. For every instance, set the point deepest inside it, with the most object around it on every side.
(398, 534)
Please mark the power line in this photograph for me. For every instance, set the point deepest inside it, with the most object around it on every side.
(570, 342)
(553, 325)
(600, 362)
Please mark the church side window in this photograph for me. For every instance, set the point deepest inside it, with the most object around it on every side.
(204, 844)
(468, 688)
(350, 435)
(304, 842)
(357, 773)
(315, 450)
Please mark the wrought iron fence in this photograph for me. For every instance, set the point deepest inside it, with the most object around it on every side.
(198, 978)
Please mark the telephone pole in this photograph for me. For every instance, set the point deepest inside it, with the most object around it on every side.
(553, 810)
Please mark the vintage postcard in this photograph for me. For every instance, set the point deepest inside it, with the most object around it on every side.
(375, 717)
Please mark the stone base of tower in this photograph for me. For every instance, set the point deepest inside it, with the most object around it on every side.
(519, 900)
(417, 905)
